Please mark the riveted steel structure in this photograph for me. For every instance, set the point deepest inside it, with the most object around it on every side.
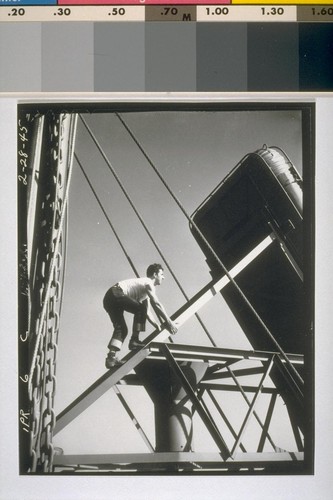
(251, 225)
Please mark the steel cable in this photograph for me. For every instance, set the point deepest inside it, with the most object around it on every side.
(142, 221)
(211, 250)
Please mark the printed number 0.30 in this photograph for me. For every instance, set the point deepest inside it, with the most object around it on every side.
(64, 12)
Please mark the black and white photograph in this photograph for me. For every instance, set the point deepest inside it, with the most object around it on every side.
(166, 288)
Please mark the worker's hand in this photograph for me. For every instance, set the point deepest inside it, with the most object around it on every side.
(172, 327)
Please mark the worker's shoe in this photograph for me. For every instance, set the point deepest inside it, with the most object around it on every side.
(111, 360)
(135, 344)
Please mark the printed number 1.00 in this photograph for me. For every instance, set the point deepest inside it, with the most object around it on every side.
(217, 11)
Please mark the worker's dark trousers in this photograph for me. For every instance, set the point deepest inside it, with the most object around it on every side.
(115, 303)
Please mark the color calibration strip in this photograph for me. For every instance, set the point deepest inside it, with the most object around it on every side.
(263, 49)
(164, 2)
(181, 13)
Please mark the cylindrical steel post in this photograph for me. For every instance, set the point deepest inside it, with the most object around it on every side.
(173, 408)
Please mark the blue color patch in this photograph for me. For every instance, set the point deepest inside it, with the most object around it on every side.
(9, 3)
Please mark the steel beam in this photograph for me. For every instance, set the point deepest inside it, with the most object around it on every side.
(176, 457)
(244, 372)
(288, 254)
(204, 414)
(218, 354)
(104, 383)
(296, 431)
(232, 388)
(213, 288)
(267, 422)
(294, 383)
(252, 406)
(132, 417)
(96, 390)
(32, 197)
(225, 419)
(130, 380)
(248, 402)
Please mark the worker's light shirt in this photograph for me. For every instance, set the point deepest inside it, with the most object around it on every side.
(136, 288)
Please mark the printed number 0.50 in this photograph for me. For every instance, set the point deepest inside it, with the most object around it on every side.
(118, 11)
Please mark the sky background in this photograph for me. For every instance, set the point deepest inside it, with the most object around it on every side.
(318, 485)
(193, 151)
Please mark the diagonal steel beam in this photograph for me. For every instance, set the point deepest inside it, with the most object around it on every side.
(296, 431)
(252, 406)
(213, 386)
(267, 422)
(287, 252)
(104, 383)
(132, 417)
(243, 372)
(204, 414)
(248, 402)
(225, 418)
(214, 287)
(296, 387)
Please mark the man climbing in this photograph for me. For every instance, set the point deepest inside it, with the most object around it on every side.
(136, 296)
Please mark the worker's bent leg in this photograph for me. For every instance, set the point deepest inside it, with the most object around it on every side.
(115, 303)
(139, 325)
(118, 337)
(115, 310)
(140, 317)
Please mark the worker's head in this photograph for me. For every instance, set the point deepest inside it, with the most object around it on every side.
(155, 272)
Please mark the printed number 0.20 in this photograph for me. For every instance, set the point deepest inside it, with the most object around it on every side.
(16, 12)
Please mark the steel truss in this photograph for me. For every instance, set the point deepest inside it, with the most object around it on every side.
(221, 375)
(226, 368)
(224, 372)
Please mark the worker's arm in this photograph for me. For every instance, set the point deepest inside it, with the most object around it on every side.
(160, 310)
(150, 316)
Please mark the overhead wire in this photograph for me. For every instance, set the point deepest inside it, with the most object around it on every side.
(106, 216)
(130, 261)
(114, 173)
(209, 247)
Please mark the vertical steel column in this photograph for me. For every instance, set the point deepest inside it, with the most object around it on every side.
(204, 414)
(172, 405)
(180, 424)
